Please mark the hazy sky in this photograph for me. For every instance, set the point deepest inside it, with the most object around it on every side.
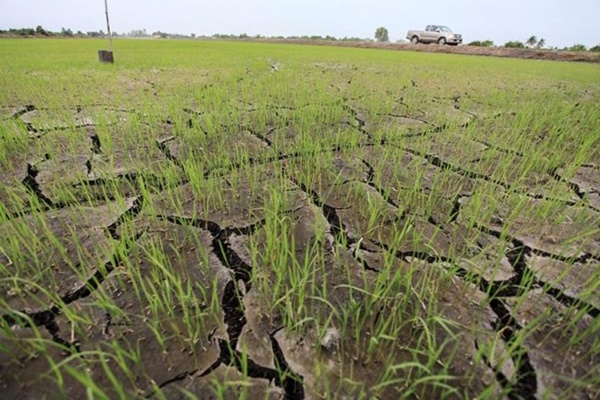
(561, 23)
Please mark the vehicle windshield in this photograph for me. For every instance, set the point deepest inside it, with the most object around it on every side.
(444, 28)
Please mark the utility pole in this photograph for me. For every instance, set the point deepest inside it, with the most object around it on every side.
(106, 56)
(108, 26)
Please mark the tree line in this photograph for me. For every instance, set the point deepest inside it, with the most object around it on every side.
(381, 35)
(39, 31)
(534, 43)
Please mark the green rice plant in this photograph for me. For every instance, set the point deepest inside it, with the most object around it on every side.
(392, 224)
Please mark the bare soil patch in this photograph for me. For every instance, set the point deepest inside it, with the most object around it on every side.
(528, 54)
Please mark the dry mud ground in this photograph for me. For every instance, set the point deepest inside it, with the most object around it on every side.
(480, 271)
(529, 54)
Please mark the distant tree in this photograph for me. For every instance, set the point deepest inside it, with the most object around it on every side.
(541, 43)
(514, 44)
(159, 34)
(596, 48)
(482, 43)
(382, 34)
(22, 31)
(352, 39)
(66, 32)
(193, 35)
(577, 47)
(139, 33)
(41, 31)
(531, 42)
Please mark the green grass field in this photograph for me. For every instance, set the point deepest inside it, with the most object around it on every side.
(247, 220)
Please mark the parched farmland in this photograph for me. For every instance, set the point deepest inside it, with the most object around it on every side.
(243, 220)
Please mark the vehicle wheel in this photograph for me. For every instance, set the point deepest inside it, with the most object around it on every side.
(442, 41)
(414, 40)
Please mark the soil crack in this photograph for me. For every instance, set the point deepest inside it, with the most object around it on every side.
(517, 256)
(164, 148)
(338, 230)
(22, 111)
(359, 123)
(370, 180)
(96, 144)
(234, 312)
(525, 385)
(134, 210)
(261, 137)
(33, 187)
(47, 316)
(572, 185)
(438, 162)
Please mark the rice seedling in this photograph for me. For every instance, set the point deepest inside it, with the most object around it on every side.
(250, 220)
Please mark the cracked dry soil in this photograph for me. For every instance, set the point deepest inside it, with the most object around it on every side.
(492, 280)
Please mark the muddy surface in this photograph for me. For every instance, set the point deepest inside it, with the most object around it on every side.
(103, 210)
(529, 54)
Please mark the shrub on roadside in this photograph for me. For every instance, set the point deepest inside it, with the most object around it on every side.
(577, 47)
(514, 44)
(482, 43)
